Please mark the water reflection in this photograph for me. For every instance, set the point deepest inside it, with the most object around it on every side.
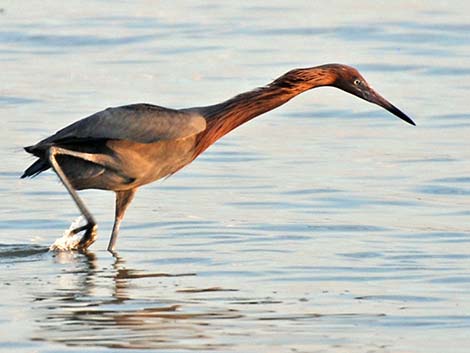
(91, 305)
(323, 227)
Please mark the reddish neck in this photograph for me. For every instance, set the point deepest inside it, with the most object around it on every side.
(226, 116)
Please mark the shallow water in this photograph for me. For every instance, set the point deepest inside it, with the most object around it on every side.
(327, 225)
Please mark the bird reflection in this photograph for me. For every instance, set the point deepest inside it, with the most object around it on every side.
(121, 279)
(91, 304)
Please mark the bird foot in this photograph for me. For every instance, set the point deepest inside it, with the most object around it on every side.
(77, 230)
(72, 240)
(88, 238)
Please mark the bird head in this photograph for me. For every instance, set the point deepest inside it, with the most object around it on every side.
(350, 80)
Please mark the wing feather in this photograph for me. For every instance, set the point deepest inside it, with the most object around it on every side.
(142, 123)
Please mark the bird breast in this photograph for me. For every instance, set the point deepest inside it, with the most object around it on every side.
(144, 163)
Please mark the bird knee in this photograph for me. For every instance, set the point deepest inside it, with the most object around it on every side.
(51, 152)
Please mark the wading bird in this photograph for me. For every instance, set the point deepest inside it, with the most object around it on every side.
(122, 148)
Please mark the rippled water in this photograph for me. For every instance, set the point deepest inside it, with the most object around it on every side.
(327, 225)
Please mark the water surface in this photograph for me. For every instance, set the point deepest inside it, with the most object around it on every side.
(327, 225)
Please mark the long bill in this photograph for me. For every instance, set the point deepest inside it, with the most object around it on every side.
(376, 98)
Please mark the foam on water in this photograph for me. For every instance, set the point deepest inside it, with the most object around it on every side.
(326, 225)
(69, 241)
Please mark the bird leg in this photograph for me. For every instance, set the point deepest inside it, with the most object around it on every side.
(123, 200)
(91, 228)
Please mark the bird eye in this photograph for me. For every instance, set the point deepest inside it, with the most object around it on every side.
(357, 82)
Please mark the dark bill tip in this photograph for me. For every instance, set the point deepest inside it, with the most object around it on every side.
(379, 100)
(397, 112)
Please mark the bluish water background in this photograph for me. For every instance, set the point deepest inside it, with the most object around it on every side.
(326, 225)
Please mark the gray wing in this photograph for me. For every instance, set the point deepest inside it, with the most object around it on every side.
(142, 123)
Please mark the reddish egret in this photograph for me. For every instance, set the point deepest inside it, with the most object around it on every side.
(122, 148)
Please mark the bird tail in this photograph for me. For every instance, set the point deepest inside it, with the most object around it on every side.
(37, 167)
